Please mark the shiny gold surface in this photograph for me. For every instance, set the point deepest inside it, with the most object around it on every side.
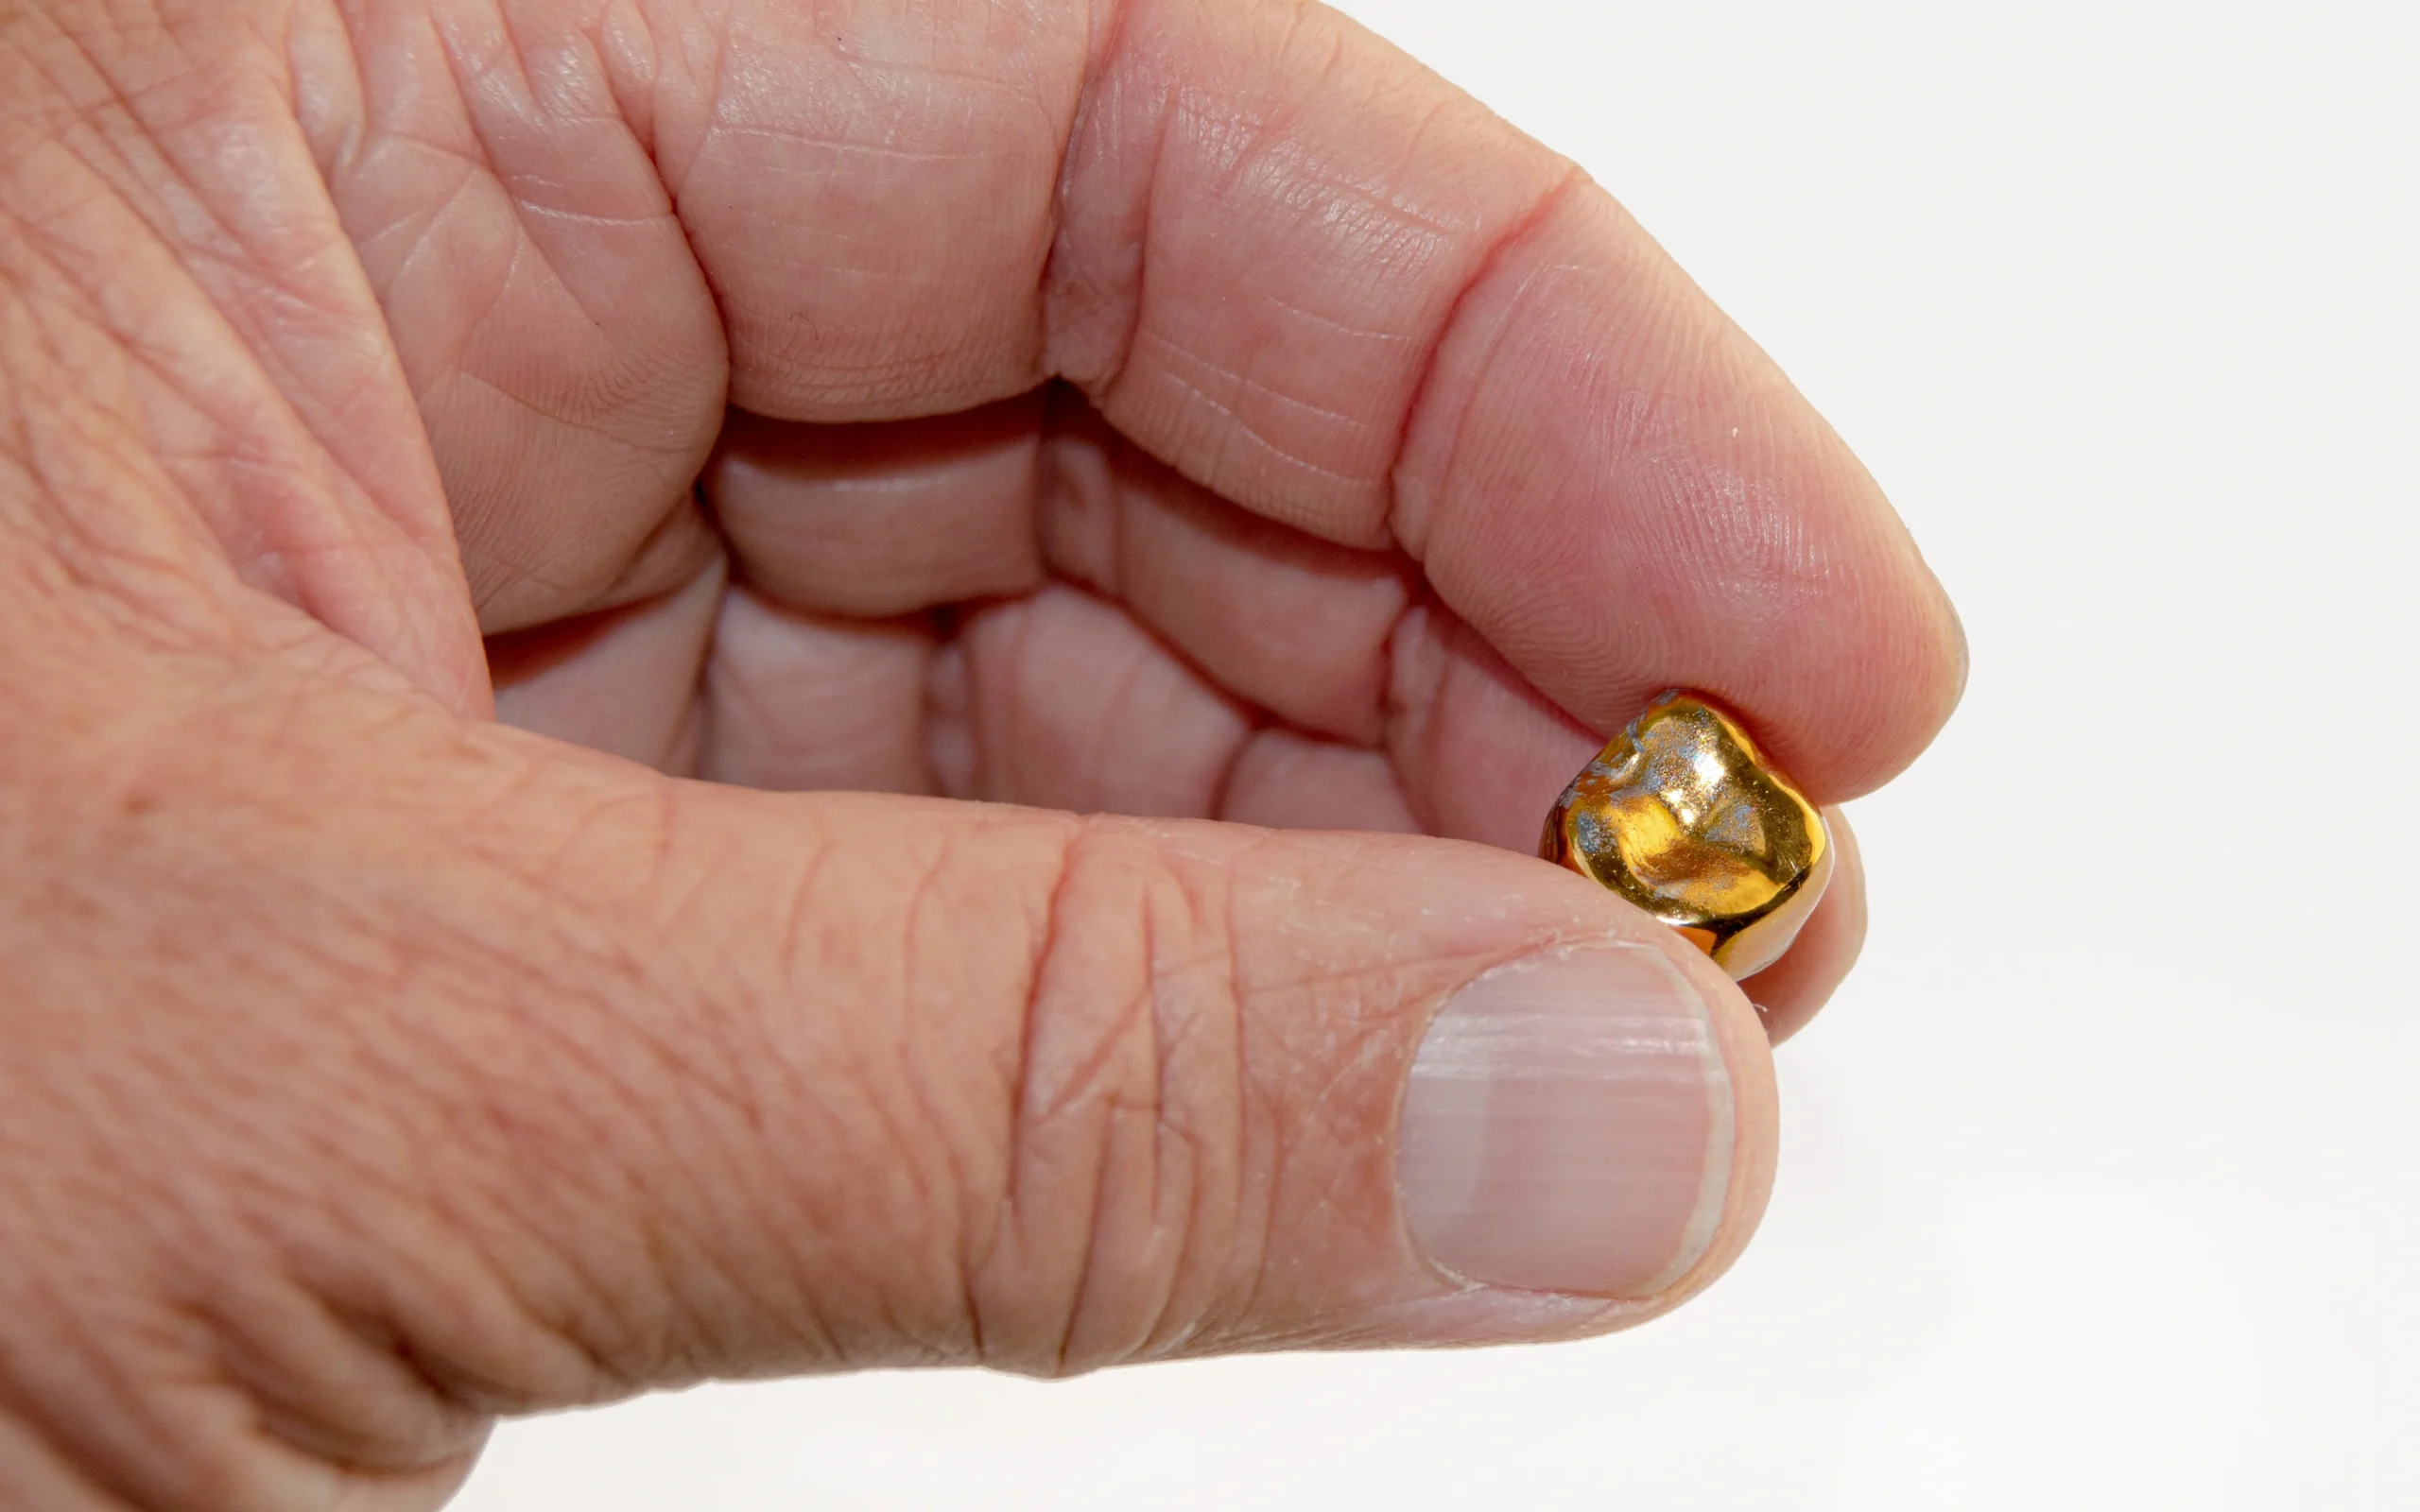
(1682, 815)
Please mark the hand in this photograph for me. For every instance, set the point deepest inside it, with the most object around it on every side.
(1187, 409)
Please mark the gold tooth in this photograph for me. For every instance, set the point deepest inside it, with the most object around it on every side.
(1682, 815)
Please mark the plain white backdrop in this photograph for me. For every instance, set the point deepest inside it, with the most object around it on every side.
(2096, 1186)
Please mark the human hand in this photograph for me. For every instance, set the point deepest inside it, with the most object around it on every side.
(373, 1068)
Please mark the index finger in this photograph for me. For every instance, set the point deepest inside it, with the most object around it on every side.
(1323, 281)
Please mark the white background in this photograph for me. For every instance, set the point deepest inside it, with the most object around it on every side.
(2096, 1179)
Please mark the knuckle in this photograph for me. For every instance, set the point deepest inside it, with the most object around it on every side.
(1123, 1228)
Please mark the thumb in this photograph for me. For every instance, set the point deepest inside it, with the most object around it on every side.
(460, 1071)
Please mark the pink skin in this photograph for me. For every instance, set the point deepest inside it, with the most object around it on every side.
(1183, 408)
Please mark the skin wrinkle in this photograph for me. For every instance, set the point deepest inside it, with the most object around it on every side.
(256, 563)
(1105, 49)
(791, 137)
(509, 1117)
(1238, 433)
(244, 263)
(715, 81)
(661, 448)
(961, 1186)
(113, 1371)
(896, 1131)
(1338, 197)
(1011, 1214)
(506, 73)
(452, 1390)
(99, 109)
(1077, 1086)
(1243, 382)
(1105, 1146)
(895, 1154)
(239, 256)
(352, 548)
(612, 1357)
(1412, 536)
(587, 219)
(1256, 1271)
(1144, 1015)
(677, 1054)
(468, 75)
(70, 573)
(399, 1455)
(1175, 1142)
(310, 22)
(820, 1339)
(1111, 1110)
(441, 393)
(416, 220)
(370, 1408)
(1187, 1241)
(812, 1318)
(58, 1480)
(40, 1413)
(940, 344)
(623, 48)
(145, 356)
(1267, 139)
(1370, 334)
(979, 1243)
(511, 97)
(1408, 156)
(1239, 436)
(71, 567)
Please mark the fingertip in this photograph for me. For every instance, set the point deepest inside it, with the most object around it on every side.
(1593, 1121)
(1620, 490)
(1793, 990)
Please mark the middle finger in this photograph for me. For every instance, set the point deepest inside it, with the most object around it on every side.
(902, 518)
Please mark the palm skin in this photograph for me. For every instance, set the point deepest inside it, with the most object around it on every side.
(1175, 408)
